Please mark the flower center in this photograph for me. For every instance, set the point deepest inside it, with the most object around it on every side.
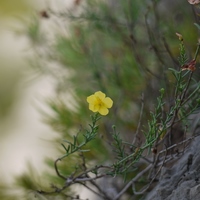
(99, 102)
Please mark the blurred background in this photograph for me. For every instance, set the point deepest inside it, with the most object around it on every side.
(24, 137)
(53, 54)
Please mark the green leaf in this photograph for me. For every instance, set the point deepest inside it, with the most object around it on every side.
(82, 150)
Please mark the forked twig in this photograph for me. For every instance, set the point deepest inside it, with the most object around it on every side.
(131, 182)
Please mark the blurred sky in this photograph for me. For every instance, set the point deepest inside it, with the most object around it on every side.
(23, 135)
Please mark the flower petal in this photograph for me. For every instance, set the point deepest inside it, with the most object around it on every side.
(100, 94)
(103, 110)
(91, 99)
(91, 107)
(108, 102)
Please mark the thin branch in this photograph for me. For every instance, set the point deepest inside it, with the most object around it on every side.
(100, 190)
(147, 187)
(131, 182)
(56, 169)
(84, 179)
(178, 144)
(169, 51)
(140, 119)
(90, 170)
(98, 194)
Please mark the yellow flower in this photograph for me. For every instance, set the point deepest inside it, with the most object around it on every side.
(98, 102)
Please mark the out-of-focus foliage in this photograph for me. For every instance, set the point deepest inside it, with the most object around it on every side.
(12, 68)
(122, 48)
(11, 61)
(8, 87)
(8, 9)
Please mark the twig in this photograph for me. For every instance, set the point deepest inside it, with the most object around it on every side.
(169, 51)
(56, 169)
(84, 179)
(133, 180)
(175, 145)
(90, 170)
(100, 190)
(140, 119)
(147, 187)
(98, 194)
